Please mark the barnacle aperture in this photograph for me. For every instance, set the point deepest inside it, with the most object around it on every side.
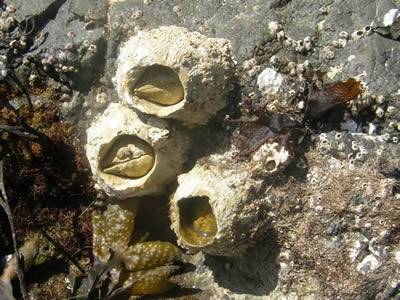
(198, 225)
(129, 156)
(159, 84)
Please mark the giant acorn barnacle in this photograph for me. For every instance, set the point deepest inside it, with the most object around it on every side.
(170, 72)
(132, 155)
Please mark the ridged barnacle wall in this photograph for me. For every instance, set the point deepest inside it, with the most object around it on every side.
(207, 209)
(133, 156)
(170, 72)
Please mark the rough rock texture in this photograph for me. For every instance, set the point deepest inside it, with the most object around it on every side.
(333, 213)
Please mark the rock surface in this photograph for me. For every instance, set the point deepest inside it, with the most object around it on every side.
(333, 213)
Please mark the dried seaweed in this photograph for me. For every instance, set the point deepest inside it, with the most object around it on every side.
(320, 101)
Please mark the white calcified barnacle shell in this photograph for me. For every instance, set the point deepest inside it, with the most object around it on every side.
(170, 72)
(207, 208)
(134, 156)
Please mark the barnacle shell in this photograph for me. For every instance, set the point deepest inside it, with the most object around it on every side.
(132, 155)
(208, 211)
(170, 72)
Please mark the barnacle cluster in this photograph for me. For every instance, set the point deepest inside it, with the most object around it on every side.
(134, 150)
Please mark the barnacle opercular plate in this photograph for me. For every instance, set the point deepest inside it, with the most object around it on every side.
(159, 84)
(129, 156)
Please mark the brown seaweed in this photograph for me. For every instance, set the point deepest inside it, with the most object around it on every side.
(321, 101)
(266, 127)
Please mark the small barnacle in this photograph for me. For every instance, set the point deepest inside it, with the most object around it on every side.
(137, 15)
(328, 52)
(26, 61)
(380, 99)
(257, 9)
(340, 43)
(69, 46)
(125, 27)
(300, 46)
(10, 9)
(344, 35)
(367, 30)
(323, 10)
(92, 48)
(307, 43)
(358, 34)
(390, 109)
(379, 112)
(115, 26)
(274, 28)
(177, 10)
(289, 42)
(71, 34)
(281, 35)
(85, 44)
(147, 2)
(62, 56)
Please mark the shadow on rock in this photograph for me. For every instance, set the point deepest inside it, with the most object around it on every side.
(255, 273)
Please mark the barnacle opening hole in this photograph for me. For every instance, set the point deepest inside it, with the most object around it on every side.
(160, 85)
(198, 225)
(270, 165)
(127, 156)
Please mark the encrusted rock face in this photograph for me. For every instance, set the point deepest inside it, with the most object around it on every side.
(173, 73)
(133, 156)
(207, 210)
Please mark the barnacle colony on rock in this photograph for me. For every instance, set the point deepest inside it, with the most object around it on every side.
(170, 72)
(134, 156)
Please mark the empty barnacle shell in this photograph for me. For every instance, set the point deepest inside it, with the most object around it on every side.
(170, 72)
(134, 156)
(214, 210)
(198, 225)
